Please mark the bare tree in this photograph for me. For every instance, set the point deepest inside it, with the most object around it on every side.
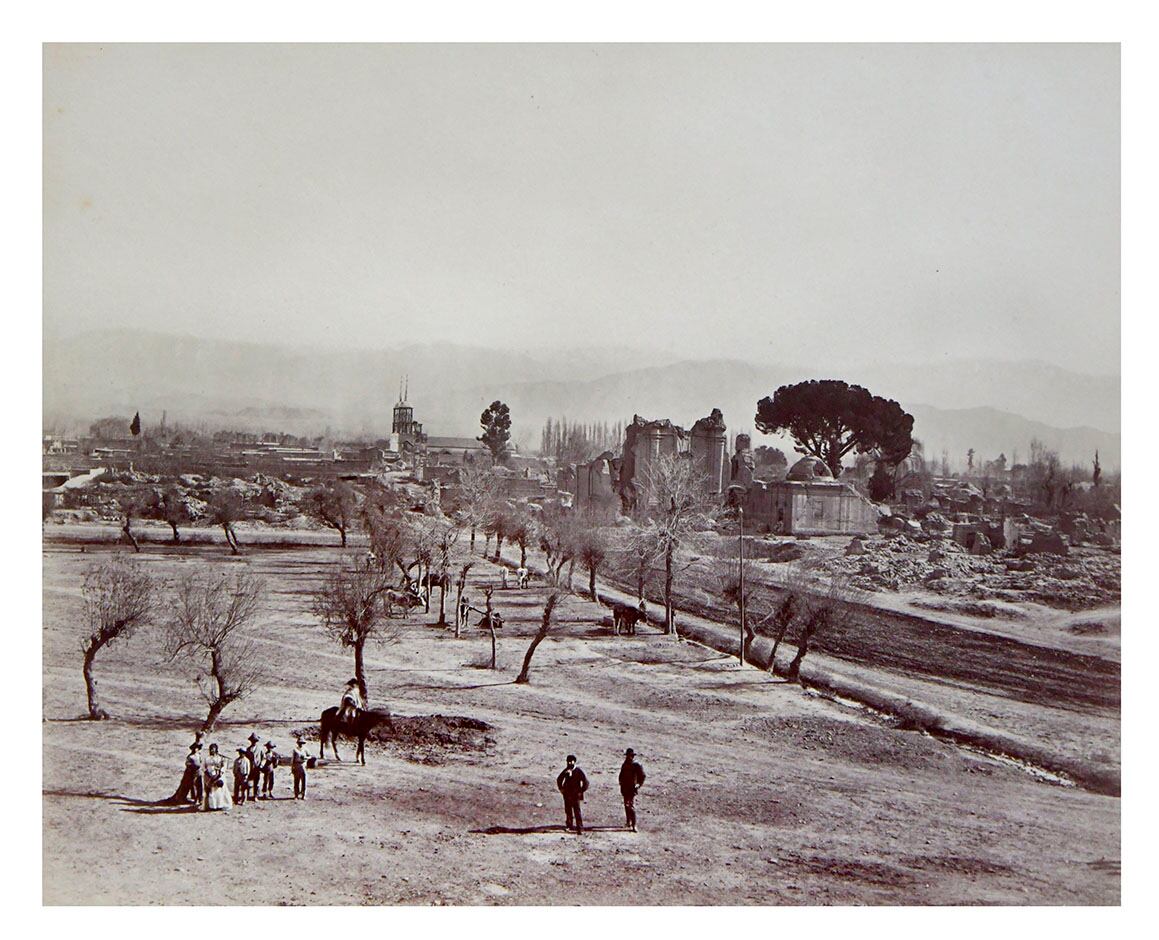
(389, 537)
(132, 504)
(549, 606)
(174, 511)
(334, 506)
(119, 596)
(739, 587)
(448, 536)
(817, 613)
(557, 540)
(639, 553)
(206, 620)
(459, 587)
(678, 493)
(592, 549)
(489, 620)
(351, 606)
(425, 537)
(225, 508)
(501, 525)
(521, 532)
(478, 491)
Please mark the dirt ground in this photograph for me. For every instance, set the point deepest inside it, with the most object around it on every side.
(758, 792)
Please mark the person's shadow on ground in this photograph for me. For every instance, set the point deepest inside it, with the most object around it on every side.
(531, 830)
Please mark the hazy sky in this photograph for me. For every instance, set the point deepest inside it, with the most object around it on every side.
(823, 204)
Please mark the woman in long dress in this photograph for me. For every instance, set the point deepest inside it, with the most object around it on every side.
(216, 792)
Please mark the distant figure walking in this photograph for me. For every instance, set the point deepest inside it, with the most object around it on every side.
(631, 779)
(504, 576)
(241, 775)
(464, 611)
(269, 762)
(216, 795)
(572, 783)
(298, 769)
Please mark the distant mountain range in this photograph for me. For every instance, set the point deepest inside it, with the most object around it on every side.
(990, 406)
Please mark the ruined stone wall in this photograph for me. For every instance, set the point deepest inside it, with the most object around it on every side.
(645, 442)
(708, 443)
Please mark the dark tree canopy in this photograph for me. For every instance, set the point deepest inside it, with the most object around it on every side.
(829, 418)
(496, 423)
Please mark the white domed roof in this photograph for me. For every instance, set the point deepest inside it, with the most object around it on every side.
(809, 468)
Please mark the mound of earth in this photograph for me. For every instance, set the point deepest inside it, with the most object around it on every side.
(431, 739)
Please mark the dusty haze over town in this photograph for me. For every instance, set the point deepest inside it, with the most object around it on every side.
(569, 226)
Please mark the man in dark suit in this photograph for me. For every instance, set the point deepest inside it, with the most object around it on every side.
(572, 783)
(255, 774)
(631, 779)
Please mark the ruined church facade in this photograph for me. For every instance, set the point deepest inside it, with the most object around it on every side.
(808, 502)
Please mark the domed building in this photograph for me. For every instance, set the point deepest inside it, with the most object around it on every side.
(809, 501)
(809, 468)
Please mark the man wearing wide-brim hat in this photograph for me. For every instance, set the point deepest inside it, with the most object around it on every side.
(255, 774)
(631, 779)
(298, 767)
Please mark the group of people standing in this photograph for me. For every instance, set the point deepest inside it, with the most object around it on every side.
(204, 781)
(573, 784)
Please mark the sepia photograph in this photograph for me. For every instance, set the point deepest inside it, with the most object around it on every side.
(595, 474)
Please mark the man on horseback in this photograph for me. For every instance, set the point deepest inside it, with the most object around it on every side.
(352, 701)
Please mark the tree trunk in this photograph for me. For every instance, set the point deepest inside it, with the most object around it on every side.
(802, 650)
(592, 583)
(498, 547)
(491, 628)
(458, 605)
(570, 573)
(522, 554)
(215, 709)
(669, 615)
(231, 538)
(129, 535)
(96, 713)
(176, 535)
(472, 540)
(443, 599)
(427, 592)
(342, 534)
(525, 673)
(360, 673)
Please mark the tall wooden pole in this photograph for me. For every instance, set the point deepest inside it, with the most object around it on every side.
(740, 516)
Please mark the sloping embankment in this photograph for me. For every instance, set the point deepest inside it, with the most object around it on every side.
(825, 674)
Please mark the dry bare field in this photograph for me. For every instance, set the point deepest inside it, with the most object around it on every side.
(758, 792)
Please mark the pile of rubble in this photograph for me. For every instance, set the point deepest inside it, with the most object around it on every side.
(1076, 581)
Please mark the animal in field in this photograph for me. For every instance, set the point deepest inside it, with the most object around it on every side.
(407, 600)
(625, 617)
(358, 727)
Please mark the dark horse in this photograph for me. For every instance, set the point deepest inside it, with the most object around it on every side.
(358, 727)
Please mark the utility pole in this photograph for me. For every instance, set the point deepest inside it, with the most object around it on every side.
(740, 516)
